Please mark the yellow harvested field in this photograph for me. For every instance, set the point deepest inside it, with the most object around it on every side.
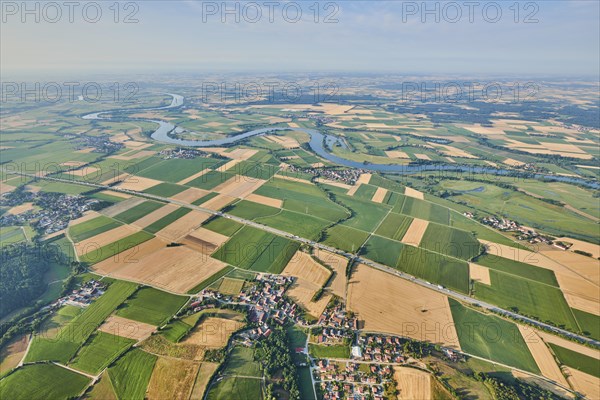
(122, 206)
(293, 125)
(584, 304)
(138, 183)
(594, 249)
(204, 241)
(422, 157)
(584, 383)
(228, 165)
(116, 194)
(267, 201)
(337, 284)
(217, 202)
(239, 186)
(364, 178)
(71, 163)
(396, 154)
(415, 232)
(310, 277)
(4, 188)
(379, 195)
(12, 354)
(408, 191)
(480, 274)
(190, 195)
(454, 151)
(135, 155)
(115, 179)
(20, 209)
(176, 269)
(583, 265)
(172, 379)
(568, 344)
(562, 147)
(317, 165)
(155, 215)
(127, 328)
(183, 226)
(353, 189)
(419, 313)
(192, 177)
(412, 383)
(481, 130)
(542, 355)
(206, 371)
(85, 150)
(83, 171)
(513, 162)
(334, 183)
(283, 141)
(101, 240)
(213, 332)
(239, 154)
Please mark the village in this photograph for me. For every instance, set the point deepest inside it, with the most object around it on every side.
(523, 233)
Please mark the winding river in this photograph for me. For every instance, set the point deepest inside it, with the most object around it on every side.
(317, 145)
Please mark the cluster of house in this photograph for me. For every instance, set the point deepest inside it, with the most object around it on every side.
(187, 154)
(100, 144)
(84, 295)
(352, 380)
(347, 176)
(266, 299)
(380, 348)
(56, 210)
(336, 325)
(524, 233)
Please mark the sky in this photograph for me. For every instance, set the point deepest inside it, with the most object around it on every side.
(549, 37)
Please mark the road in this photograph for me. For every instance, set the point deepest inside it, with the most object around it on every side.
(351, 257)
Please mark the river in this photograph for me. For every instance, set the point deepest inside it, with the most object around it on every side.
(316, 143)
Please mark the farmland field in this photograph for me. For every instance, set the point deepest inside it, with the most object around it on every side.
(544, 302)
(394, 226)
(319, 351)
(113, 249)
(345, 238)
(131, 374)
(138, 211)
(450, 241)
(92, 228)
(100, 352)
(517, 268)
(576, 360)
(151, 306)
(506, 345)
(42, 381)
(236, 388)
(257, 250)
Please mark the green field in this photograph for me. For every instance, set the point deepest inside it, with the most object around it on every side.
(366, 215)
(241, 362)
(137, 212)
(546, 303)
(424, 210)
(450, 242)
(92, 228)
(589, 323)
(251, 210)
(257, 250)
(151, 306)
(10, 235)
(177, 169)
(79, 329)
(210, 180)
(295, 223)
(100, 351)
(167, 220)
(576, 360)
(527, 271)
(435, 268)
(205, 198)
(131, 374)
(42, 381)
(165, 189)
(337, 351)
(224, 226)
(175, 330)
(382, 250)
(491, 337)
(236, 388)
(344, 238)
(394, 226)
(102, 253)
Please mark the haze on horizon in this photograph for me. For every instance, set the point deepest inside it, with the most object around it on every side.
(381, 36)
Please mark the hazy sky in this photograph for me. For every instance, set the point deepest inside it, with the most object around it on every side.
(386, 36)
